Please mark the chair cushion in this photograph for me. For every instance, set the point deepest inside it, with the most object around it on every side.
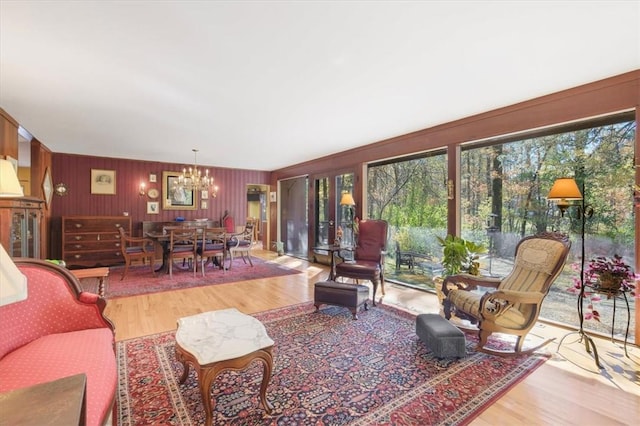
(362, 267)
(182, 249)
(138, 249)
(469, 302)
(60, 355)
(241, 243)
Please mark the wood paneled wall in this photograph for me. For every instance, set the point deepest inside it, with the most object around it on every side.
(75, 172)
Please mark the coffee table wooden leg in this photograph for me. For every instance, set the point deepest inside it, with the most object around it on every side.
(267, 360)
(180, 356)
(208, 375)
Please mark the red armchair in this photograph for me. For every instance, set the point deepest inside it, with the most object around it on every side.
(368, 258)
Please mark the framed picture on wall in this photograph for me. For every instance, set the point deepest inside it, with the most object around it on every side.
(153, 207)
(204, 205)
(174, 196)
(103, 181)
(47, 188)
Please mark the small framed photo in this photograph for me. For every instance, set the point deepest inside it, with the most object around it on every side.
(153, 178)
(204, 205)
(103, 181)
(204, 195)
(153, 207)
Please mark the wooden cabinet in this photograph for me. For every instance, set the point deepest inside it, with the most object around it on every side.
(91, 241)
(20, 220)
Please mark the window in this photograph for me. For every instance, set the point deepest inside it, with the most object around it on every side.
(503, 198)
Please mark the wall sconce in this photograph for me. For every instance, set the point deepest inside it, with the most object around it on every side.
(142, 190)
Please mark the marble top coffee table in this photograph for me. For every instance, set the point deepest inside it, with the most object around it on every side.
(221, 340)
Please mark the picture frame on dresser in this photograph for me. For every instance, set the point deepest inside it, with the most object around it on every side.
(174, 196)
(103, 182)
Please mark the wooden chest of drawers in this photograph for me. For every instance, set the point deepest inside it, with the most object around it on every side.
(92, 241)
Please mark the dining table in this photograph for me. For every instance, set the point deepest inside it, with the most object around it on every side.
(162, 239)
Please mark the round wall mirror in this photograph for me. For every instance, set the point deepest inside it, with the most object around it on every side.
(60, 189)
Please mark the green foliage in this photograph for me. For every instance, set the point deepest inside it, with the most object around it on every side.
(460, 255)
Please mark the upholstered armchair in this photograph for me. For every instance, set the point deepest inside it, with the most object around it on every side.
(368, 256)
(136, 248)
(512, 304)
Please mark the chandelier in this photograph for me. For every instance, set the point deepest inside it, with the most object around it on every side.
(194, 180)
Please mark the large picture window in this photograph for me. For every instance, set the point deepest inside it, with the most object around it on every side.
(503, 198)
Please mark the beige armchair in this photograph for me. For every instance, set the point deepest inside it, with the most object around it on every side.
(513, 304)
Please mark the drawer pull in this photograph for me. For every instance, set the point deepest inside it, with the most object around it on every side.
(78, 237)
(117, 225)
(78, 225)
(77, 256)
(78, 246)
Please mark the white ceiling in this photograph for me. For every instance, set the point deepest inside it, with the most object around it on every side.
(263, 85)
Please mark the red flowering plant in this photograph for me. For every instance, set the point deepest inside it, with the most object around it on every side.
(604, 275)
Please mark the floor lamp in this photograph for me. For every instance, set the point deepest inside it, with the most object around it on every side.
(563, 191)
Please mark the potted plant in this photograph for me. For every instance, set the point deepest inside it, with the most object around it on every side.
(603, 275)
(609, 275)
(460, 255)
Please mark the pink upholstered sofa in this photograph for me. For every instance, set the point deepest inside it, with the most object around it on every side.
(58, 331)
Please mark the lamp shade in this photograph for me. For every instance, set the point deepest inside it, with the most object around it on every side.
(9, 184)
(13, 284)
(565, 189)
(347, 200)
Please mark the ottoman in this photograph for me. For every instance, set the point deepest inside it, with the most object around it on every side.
(443, 338)
(350, 296)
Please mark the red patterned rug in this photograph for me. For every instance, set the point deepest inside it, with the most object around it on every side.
(140, 281)
(328, 370)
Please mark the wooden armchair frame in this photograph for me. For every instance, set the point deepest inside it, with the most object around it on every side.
(136, 248)
(513, 306)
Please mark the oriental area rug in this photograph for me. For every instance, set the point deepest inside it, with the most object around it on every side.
(140, 281)
(328, 370)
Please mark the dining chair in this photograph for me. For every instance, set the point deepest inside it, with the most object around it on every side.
(134, 249)
(240, 244)
(212, 248)
(183, 243)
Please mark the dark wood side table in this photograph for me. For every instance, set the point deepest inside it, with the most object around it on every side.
(99, 273)
(331, 250)
(60, 402)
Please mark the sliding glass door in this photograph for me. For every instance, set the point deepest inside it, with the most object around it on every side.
(294, 216)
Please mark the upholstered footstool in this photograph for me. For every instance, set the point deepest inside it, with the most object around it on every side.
(443, 338)
(350, 296)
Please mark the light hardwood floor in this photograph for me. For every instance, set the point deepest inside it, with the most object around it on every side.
(567, 390)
